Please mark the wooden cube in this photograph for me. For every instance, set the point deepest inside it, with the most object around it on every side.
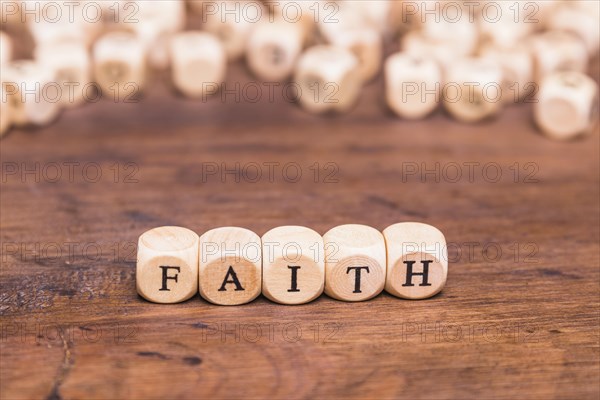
(517, 70)
(366, 44)
(416, 44)
(31, 91)
(354, 262)
(557, 51)
(473, 91)
(230, 266)
(506, 23)
(235, 28)
(70, 63)
(158, 21)
(119, 65)
(417, 260)
(580, 21)
(374, 14)
(6, 48)
(5, 113)
(273, 50)
(412, 85)
(293, 265)
(328, 78)
(567, 105)
(198, 63)
(167, 264)
(461, 35)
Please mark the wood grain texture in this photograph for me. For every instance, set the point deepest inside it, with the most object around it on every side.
(518, 318)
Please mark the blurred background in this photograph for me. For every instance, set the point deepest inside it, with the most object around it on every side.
(471, 59)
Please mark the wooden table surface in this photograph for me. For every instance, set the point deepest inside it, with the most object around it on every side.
(518, 318)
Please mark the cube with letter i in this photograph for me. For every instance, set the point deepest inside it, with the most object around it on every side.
(293, 265)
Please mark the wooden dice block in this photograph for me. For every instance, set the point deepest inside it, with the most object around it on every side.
(119, 64)
(5, 113)
(230, 266)
(567, 105)
(473, 90)
(461, 35)
(198, 63)
(158, 21)
(70, 63)
(506, 23)
(366, 44)
(517, 69)
(374, 14)
(412, 85)
(354, 262)
(329, 79)
(233, 29)
(167, 264)
(273, 50)
(28, 87)
(6, 49)
(579, 21)
(416, 44)
(417, 260)
(557, 51)
(293, 265)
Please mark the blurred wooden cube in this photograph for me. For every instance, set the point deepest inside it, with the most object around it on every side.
(273, 50)
(71, 66)
(329, 79)
(517, 70)
(412, 85)
(234, 28)
(473, 89)
(580, 21)
(31, 91)
(6, 48)
(198, 63)
(557, 51)
(567, 105)
(119, 65)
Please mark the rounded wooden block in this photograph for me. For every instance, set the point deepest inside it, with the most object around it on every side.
(412, 85)
(230, 266)
(71, 66)
(354, 262)
(555, 51)
(6, 48)
(417, 260)
(167, 264)
(567, 105)
(473, 89)
(119, 64)
(328, 78)
(198, 63)
(20, 81)
(273, 49)
(293, 265)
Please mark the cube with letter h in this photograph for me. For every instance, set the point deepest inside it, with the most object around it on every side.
(167, 264)
(417, 260)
